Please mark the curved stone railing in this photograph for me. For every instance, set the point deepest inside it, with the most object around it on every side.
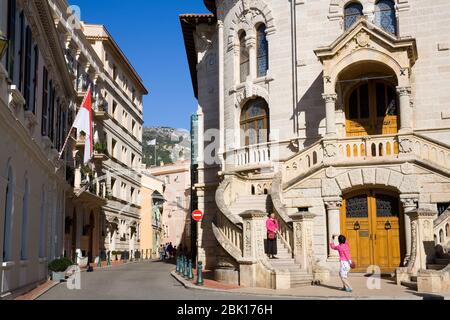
(426, 149)
(233, 248)
(442, 229)
(286, 230)
(303, 162)
(224, 197)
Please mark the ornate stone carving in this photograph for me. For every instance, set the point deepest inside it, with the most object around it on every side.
(333, 204)
(405, 146)
(362, 39)
(404, 91)
(329, 98)
(330, 150)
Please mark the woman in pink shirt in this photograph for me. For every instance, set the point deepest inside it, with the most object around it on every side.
(345, 259)
(272, 230)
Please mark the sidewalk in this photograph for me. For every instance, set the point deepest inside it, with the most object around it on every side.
(49, 284)
(388, 290)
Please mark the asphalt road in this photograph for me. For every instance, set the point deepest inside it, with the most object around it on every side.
(136, 281)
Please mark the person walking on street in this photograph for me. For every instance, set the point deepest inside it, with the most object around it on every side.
(170, 250)
(161, 252)
(272, 230)
(345, 259)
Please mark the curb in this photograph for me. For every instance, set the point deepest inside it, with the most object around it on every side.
(191, 286)
(54, 284)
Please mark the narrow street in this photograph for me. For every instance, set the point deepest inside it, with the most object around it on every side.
(136, 281)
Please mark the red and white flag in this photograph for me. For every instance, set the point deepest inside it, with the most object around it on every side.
(83, 122)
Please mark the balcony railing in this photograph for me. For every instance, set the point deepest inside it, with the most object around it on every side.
(252, 155)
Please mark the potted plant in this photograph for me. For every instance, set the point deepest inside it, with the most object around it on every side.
(58, 268)
(117, 254)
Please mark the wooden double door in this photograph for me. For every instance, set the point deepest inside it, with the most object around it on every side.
(373, 223)
(372, 109)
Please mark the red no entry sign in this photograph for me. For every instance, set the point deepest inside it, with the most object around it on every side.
(197, 215)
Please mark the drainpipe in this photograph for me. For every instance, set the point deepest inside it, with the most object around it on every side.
(294, 66)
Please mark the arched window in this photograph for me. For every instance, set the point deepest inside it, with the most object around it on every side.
(9, 211)
(385, 16)
(447, 230)
(255, 122)
(262, 51)
(352, 12)
(24, 232)
(244, 59)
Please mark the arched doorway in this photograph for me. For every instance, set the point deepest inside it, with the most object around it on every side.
(369, 97)
(373, 222)
(372, 109)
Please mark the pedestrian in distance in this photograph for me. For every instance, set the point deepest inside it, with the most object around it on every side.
(345, 260)
(170, 250)
(161, 252)
(272, 231)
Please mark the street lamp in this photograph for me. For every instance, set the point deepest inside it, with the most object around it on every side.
(3, 44)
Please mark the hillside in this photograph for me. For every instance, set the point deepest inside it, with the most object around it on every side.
(171, 145)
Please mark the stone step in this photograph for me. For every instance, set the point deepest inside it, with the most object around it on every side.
(436, 267)
(445, 261)
(301, 284)
(410, 284)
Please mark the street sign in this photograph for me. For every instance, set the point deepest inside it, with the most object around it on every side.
(197, 215)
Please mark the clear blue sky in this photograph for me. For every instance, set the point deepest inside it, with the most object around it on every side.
(149, 33)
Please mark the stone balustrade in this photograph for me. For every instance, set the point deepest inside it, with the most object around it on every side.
(442, 229)
(251, 155)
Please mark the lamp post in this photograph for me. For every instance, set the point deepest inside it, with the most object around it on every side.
(3, 44)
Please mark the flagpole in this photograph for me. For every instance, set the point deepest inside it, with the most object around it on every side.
(71, 128)
(155, 152)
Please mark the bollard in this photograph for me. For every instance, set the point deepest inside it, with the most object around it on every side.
(191, 274)
(99, 264)
(108, 262)
(186, 268)
(182, 265)
(178, 264)
(199, 274)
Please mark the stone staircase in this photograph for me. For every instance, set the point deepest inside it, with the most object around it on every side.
(299, 278)
(437, 265)
(252, 202)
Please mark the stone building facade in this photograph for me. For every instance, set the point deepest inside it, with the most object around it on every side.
(52, 203)
(333, 114)
(123, 91)
(152, 205)
(175, 220)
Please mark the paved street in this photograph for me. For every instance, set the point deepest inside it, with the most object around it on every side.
(136, 281)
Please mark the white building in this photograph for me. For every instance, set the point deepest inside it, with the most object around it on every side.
(334, 114)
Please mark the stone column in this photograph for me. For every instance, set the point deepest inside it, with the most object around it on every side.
(409, 204)
(253, 246)
(405, 109)
(303, 225)
(422, 235)
(333, 206)
(250, 42)
(330, 108)
(221, 93)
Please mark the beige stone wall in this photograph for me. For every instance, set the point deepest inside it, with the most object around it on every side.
(150, 184)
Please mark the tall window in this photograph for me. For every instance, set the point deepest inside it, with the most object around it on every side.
(262, 51)
(42, 226)
(27, 76)
(9, 211)
(44, 121)
(35, 77)
(385, 16)
(255, 122)
(11, 37)
(21, 49)
(352, 12)
(24, 233)
(244, 59)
